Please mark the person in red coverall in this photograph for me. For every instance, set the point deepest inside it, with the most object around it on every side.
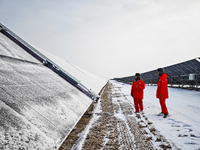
(137, 93)
(162, 92)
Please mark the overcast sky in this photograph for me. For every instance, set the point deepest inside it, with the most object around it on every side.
(109, 38)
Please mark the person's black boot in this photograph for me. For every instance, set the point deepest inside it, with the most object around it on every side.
(165, 115)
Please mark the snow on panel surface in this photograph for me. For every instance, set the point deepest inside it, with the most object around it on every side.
(91, 81)
(182, 126)
(37, 107)
(10, 49)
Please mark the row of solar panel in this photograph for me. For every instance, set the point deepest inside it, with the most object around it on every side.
(185, 73)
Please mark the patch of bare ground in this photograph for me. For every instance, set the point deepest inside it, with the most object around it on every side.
(104, 133)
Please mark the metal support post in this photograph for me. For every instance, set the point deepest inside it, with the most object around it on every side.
(171, 81)
(196, 79)
(182, 79)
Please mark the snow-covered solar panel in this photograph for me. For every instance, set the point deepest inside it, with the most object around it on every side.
(38, 108)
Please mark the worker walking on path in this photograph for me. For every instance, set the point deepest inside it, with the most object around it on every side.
(162, 92)
(137, 93)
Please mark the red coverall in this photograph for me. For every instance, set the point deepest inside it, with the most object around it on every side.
(162, 92)
(137, 93)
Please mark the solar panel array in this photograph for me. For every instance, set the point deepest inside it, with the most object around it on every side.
(38, 108)
(185, 74)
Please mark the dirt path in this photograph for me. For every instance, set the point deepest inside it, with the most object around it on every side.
(114, 125)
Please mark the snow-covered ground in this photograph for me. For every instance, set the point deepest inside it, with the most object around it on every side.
(144, 130)
(182, 126)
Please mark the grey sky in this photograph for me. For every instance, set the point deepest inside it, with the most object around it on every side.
(109, 38)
